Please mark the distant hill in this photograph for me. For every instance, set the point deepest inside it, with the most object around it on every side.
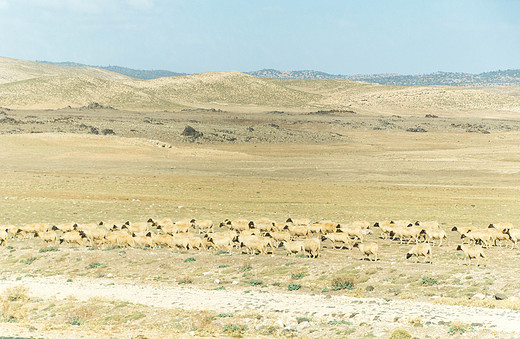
(507, 77)
(501, 78)
(134, 73)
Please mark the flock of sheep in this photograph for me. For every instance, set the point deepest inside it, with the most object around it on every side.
(262, 235)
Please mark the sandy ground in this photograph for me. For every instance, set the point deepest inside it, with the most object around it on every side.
(383, 314)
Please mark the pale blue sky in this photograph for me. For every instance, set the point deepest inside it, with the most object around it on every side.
(340, 37)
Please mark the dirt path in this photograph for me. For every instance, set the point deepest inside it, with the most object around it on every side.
(381, 312)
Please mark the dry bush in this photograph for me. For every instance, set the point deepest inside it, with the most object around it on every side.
(13, 304)
(80, 315)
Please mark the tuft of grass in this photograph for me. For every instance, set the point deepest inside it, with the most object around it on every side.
(400, 334)
(48, 249)
(223, 266)
(429, 281)
(96, 265)
(293, 287)
(219, 252)
(234, 330)
(245, 268)
(339, 322)
(225, 315)
(30, 260)
(296, 276)
(255, 282)
(190, 259)
(342, 284)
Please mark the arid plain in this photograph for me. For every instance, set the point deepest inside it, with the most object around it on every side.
(317, 149)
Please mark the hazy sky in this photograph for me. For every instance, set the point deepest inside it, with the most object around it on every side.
(340, 37)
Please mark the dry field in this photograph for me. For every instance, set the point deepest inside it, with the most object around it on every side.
(66, 165)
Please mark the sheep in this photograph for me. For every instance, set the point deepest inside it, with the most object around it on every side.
(479, 236)
(428, 224)
(433, 234)
(48, 236)
(462, 230)
(297, 231)
(180, 241)
(280, 237)
(202, 225)
(138, 227)
(386, 228)
(160, 222)
(73, 237)
(293, 247)
(497, 235)
(195, 242)
(4, 235)
(418, 250)
(174, 228)
(144, 240)
(328, 226)
(501, 225)
(342, 238)
(236, 224)
(254, 244)
(161, 240)
(280, 226)
(471, 252)
(401, 223)
(299, 221)
(95, 234)
(263, 227)
(66, 227)
(360, 223)
(223, 243)
(312, 246)
(315, 229)
(514, 235)
(32, 229)
(354, 232)
(368, 249)
(405, 232)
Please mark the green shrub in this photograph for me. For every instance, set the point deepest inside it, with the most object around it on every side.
(48, 249)
(294, 287)
(190, 259)
(245, 268)
(429, 281)
(297, 275)
(95, 265)
(342, 284)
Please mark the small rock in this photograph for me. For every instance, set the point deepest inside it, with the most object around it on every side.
(369, 288)
(500, 296)
(217, 281)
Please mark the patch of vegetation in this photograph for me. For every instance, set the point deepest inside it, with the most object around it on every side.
(234, 330)
(245, 268)
(289, 263)
(96, 265)
(48, 249)
(297, 275)
(339, 322)
(342, 284)
(219, 252)
(429, 281)
(400, 334)
(190, 259)
(459, 328)
(294, 287)
(30, 260)
(223, 266)
(225, 315)
(255, 282)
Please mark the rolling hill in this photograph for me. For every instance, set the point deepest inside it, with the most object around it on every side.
(34, 85)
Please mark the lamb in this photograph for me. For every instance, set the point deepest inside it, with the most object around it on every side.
(293, 247)
(312, 246)
(420, 250)
(368, 249)
(472, 252)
